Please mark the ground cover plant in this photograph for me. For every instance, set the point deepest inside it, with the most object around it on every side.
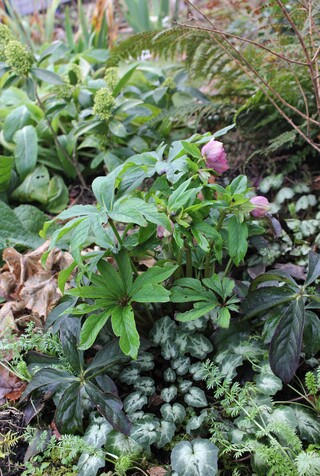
(167, 320)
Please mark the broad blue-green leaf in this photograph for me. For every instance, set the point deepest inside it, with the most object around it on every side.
(124, 326)
(35, 187)
(26, 151)
(196, 458)
(198, 346)
(145, 385)
(313, 267)
(6, 166)
(287, 341)
(15, 121)
(47, 76)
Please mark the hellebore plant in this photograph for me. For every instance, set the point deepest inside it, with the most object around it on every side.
(183, 228)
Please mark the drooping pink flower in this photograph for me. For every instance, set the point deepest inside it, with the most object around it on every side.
(162, 232)
(215, 156)
(262, 206)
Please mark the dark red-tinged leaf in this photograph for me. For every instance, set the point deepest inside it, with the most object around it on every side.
(263, 299)
(287, 341)
(110, 407)
(69, 413)
(106, 384)
(313, 268)
(69, 334)
(108, 356)
(274, 275)
(48, 379)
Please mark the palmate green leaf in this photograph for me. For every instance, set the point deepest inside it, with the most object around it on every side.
(151, 293)
(237, 239)
(200, 309)
(196, 458)
(313, 268)
(287, 341)
(110, 407)
(154, 275)
(92, 326)
(69, 412)
(124, 326)
(263, 299)
(26, 151)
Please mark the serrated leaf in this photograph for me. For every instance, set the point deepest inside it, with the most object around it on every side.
(287, 341)
(237, 239)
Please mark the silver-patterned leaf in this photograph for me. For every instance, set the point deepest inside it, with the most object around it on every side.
(130, 375)
(184, 386)
(196, 421)
(196, 398)
(174, 413)
(181, 365)
(163, 330)
(199, 346)
(169, 375)
(196, 371)
(196, 458)
(169, 393)
(119, 444)
(145, 385)
(166, 432)
(144, 432)
(133, 402)
(169, 350)
(144, 361)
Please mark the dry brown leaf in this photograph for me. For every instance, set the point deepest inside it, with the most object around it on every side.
(7, 312)
(40, 294)
(7, 284)
(157, 471)
(10, 384)
(22, 266)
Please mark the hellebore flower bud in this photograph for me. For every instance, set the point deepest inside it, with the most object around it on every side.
(162, 232)
(262, 206)
(215, 156)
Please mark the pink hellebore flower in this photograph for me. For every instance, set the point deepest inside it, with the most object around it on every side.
(162, 232)
(262, 206)
(215, 156)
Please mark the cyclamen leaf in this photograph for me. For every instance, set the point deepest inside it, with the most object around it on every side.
(196, 398)
(313, 268)
(166, 433)
(196, 458)
(287, 341)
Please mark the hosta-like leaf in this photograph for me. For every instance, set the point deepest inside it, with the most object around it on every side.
(26, 151)
(287, 341)
(196, 398)
(196, 458)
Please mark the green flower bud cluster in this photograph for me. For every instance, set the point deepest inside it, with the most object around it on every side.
(103, 103)
(169, 83)
(18, 57)
(5, 36)
(111, 77)
(72, 77)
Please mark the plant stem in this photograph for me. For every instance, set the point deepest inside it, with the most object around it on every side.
(207, 266)
(188, 262)
(115, 231)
